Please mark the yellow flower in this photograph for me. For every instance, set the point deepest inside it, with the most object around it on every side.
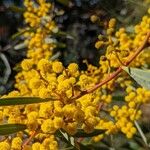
(44, 93)
(44, 65)
(36, 146)
(73, 68)
(99, 44)
(4, 146)
(34, 83)
(53, 145)
(58, 122)
(48, 126)
(57, 67)
(32, 116)
(26, 64)
(45, 110)
(16, 143)
(71, 128)
(64, 85)
(112, 23)
(94, 18)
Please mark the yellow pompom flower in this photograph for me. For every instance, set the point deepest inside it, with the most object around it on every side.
(36, 146)
(44, 65)
(32, 116)
(44, 93)
(45, 110)
(64, 85)
(26, 64)
(4, 146)
(71, 128)
(53, 145)
(48, 126)
(110, 31)
(73, 68)
(58, 122)
(94, 18)
(34, 83)
(16, 143)
(57, 67)
(112, 23)
(129, 135)
(99, 44)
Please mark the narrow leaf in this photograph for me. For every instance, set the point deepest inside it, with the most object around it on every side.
(69, 139)
(82, 133)
(20, 46)
(22, 100)
(64, 34)
(7, 129)
(64, 2)
(18, 34)
(118, 98)
(16, 9)
(142, 77)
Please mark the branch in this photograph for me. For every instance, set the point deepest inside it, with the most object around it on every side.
(29, 139)
(118, 71)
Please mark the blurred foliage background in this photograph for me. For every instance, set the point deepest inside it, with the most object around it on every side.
(76, 41)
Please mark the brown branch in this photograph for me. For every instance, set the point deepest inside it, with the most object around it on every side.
(118, 71)
(29, 139)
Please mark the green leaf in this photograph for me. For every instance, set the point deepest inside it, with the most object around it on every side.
(16, 9)
(22, 100)
(20, 46)
(71, 139)
(64, 34)
(68, 139)
(55, 56)
(142, 77)
(82, 133)
(118, 98)
(7, 129)
(18, 34)
(60, 45)
(64, 2)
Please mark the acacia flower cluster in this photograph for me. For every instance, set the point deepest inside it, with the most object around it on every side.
(76, 102)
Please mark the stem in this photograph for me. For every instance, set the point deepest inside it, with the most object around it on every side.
(117, 56)
(143, 45)
(118, 71)
(29, 139)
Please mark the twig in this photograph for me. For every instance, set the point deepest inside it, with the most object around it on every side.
(118, 71)
(29, 139)
(117, 56)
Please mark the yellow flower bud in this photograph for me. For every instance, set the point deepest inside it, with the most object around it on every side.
(26, 64)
